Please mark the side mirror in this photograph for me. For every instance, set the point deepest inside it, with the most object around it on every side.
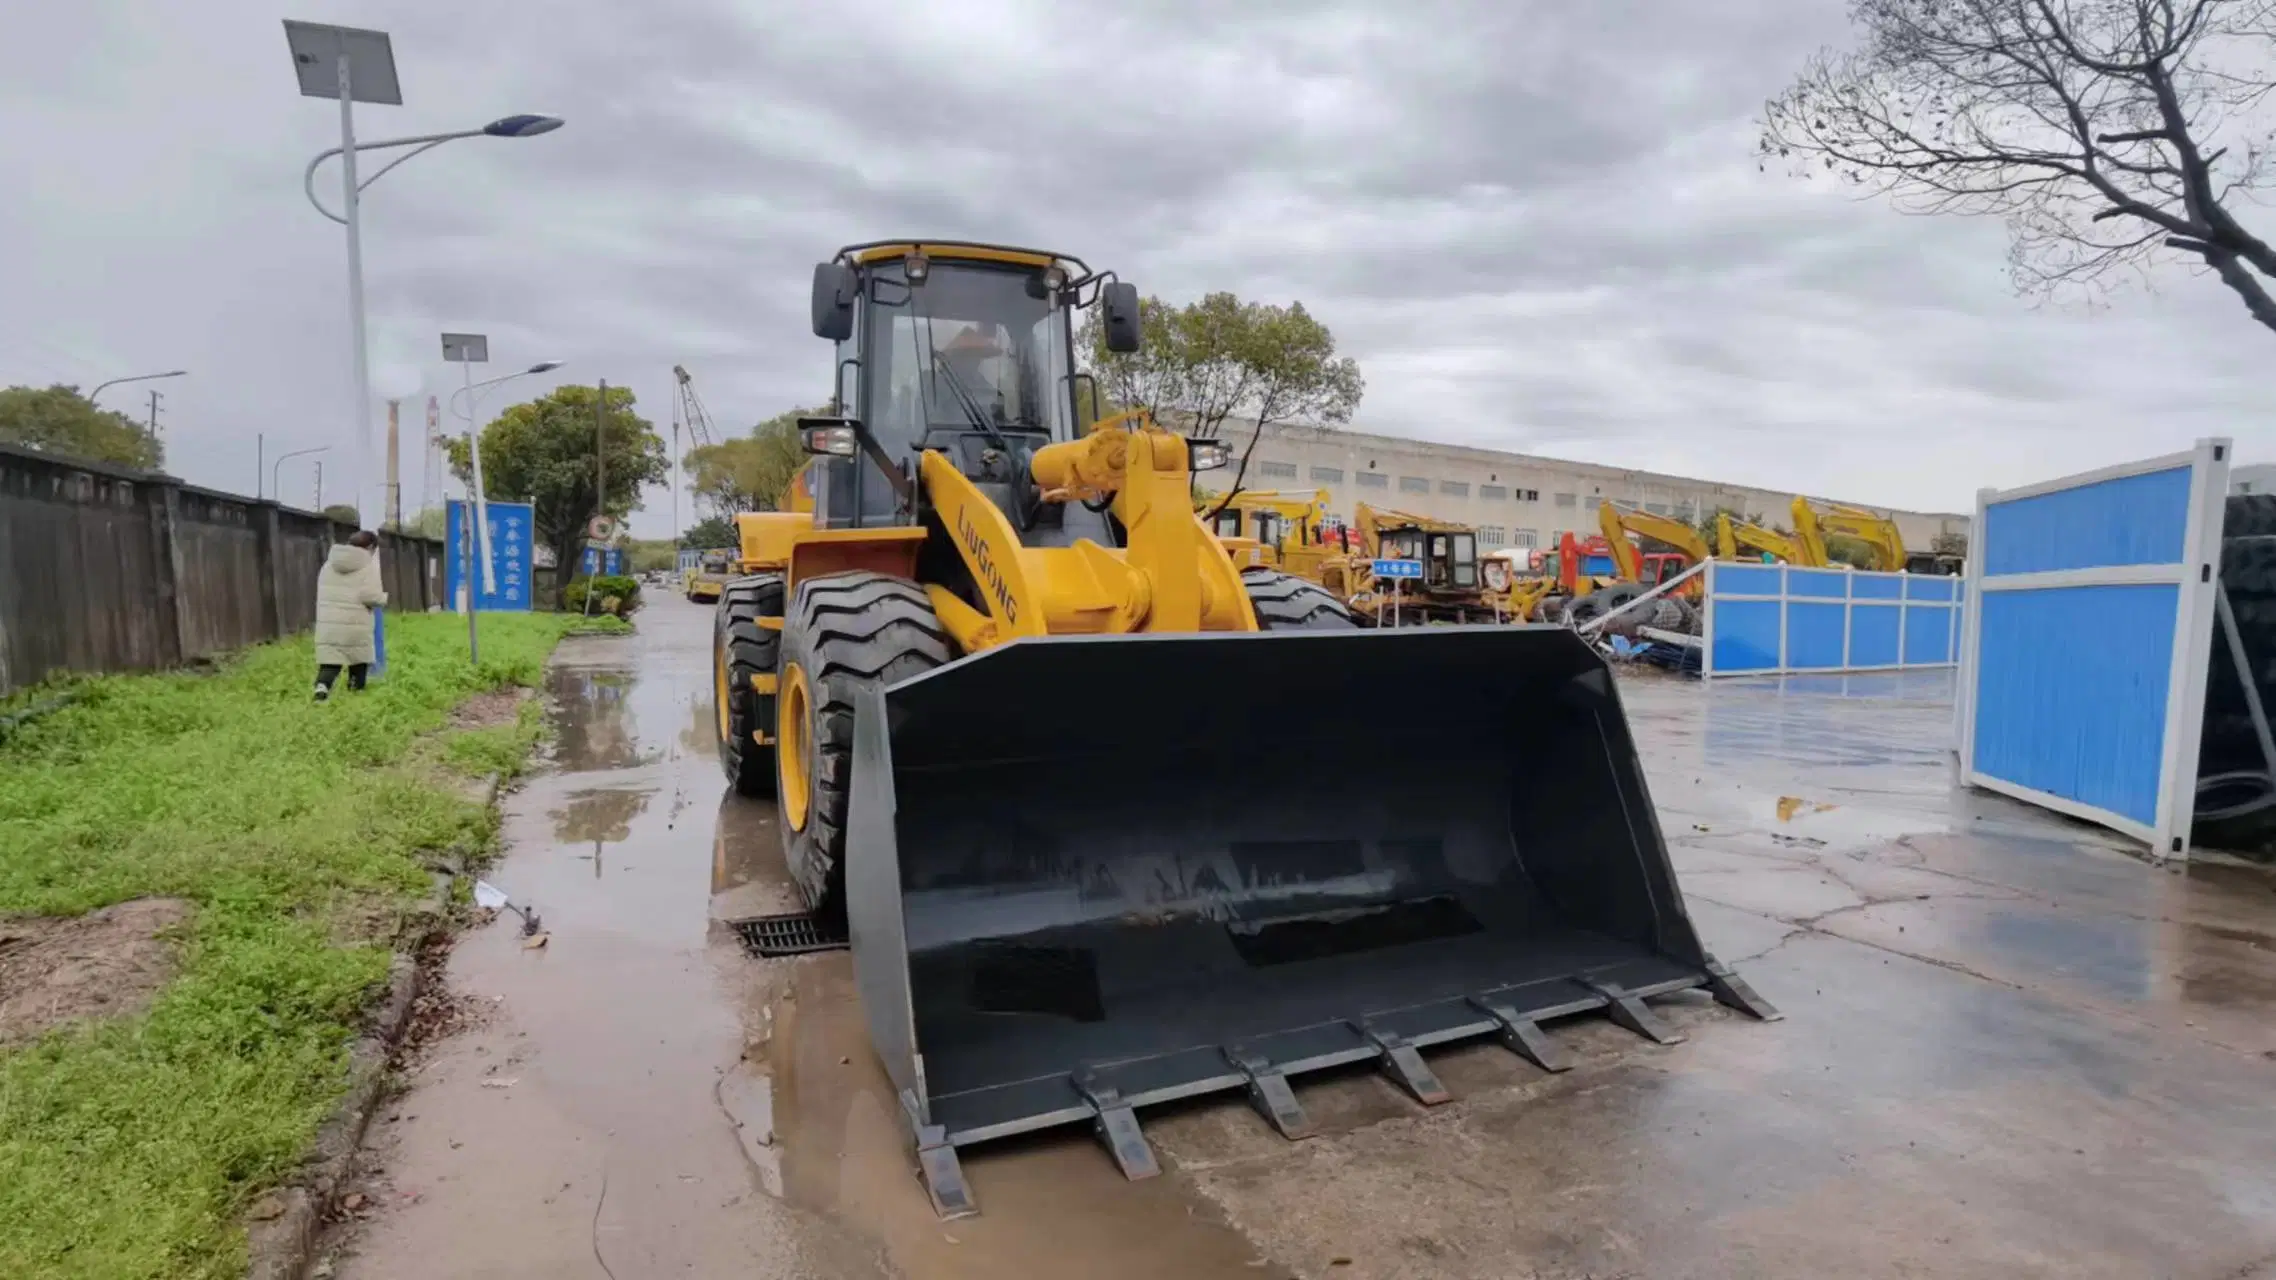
(830, 437)
(1120, 299)
(835, 288)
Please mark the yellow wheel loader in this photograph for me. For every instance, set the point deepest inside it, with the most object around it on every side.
(1052, 757)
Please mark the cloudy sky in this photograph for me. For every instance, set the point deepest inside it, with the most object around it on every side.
(1538, 224)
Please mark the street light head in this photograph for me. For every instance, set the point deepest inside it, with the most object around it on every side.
(544, 366)
(524, 126)
(175, 373)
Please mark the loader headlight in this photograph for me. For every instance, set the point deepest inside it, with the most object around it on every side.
(915, 267)
(836, 442)
(1208, 455)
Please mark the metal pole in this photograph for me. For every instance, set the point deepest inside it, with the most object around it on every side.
(319, 484)
(476, 501)
(154, 421)
(466, 581)
(260, 445)
(600, 481)
(353, 204)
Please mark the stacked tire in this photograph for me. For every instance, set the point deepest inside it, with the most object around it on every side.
(2236, 801)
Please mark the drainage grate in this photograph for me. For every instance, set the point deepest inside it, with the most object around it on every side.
(795, 934)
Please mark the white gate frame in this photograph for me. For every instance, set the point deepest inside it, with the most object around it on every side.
(2194, 574)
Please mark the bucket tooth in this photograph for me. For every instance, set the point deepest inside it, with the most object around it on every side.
(1730, 989)
(943, 1174)
(1626, 1009)
(1117, 1126)
(1270, 1094)
(1405, 1065)
(1525, 1037)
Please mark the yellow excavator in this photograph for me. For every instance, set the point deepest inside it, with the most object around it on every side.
(1622, 525)
(1733, 535)
(1276, 528)
(1048, 757)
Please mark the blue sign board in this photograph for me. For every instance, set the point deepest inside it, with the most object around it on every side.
(512, 538)
(1398, 568)
(597, 561)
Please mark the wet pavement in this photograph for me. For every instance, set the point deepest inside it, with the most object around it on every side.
(2011, 1048)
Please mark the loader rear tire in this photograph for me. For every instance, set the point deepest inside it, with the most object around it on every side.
(741, 648)
(843, 634)
(1284, 602)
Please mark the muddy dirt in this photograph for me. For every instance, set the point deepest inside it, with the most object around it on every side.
(103, 964)
(488, 710)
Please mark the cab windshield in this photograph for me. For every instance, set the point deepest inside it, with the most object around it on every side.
(975, 347)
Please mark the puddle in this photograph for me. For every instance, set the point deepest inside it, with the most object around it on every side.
(1050, 1205)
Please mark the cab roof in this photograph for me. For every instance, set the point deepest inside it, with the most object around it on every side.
(965, 250)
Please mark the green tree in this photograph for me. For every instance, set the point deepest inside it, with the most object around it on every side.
(2106, 134)
(544, 451)
(709, 533)
(342, 513)
(753, 472)
(1221, 359)
(59, 420)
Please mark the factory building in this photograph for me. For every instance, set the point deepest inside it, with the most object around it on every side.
(1514, 499)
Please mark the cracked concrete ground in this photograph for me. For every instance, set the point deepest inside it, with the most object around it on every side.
(2011, 1049)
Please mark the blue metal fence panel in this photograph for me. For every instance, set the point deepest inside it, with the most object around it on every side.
(1745, 635)
(1776, 619)
(2085, 649)
(1814, 635)
(2135, 519)
(1873, 639)
(2087, 720)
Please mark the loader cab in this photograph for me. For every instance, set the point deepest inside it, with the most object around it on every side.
(962, 348)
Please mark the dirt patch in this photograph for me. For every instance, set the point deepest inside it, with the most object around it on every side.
(488, 710)
(100, 965)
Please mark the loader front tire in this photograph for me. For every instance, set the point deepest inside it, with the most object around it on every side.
(743, 647)
(843, 634)
(1284, 602)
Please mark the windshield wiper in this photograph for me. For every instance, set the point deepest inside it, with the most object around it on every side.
(966, 401)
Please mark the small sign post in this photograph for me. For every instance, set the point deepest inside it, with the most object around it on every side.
(1397, 571)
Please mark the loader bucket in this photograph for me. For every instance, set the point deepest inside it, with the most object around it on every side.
(1089, 873)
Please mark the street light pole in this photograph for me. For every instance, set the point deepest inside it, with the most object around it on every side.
(352, 205)
(140, 377)
(276, 487)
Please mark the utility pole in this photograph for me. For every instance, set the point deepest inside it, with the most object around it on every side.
(391, 516)
(154, 426)
(319, 484)
(600, 481)
(260, 446)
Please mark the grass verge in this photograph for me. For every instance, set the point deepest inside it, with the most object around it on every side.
(132, 1148)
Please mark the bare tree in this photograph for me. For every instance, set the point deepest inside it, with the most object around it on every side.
(2108, 133)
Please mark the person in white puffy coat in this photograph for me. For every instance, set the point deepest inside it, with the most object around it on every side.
(347, 590)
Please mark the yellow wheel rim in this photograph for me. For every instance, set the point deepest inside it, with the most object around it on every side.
(719, 689)
(794, 744)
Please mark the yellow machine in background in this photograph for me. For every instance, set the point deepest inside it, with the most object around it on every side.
(709, 575)
(1275, 528)
(1812, 523)
(1453, 586)
(1049, 757)
(1622, 525)
(1731, 535)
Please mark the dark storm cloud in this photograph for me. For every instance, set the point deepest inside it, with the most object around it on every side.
(1537, 224)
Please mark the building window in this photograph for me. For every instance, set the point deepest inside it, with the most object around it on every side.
(1373, 480)
(1686, 511)
(1413, 484)
(1277, 470)
(1529, 495)
(1493, 492)
(1523, 538)
(1455, 488)
(1656, 508)
(1568, 499)
(1327, 475)
(1629, 503)
(1489, 535)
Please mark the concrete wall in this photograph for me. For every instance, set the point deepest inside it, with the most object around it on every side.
(1515, 499)
(107, 569)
